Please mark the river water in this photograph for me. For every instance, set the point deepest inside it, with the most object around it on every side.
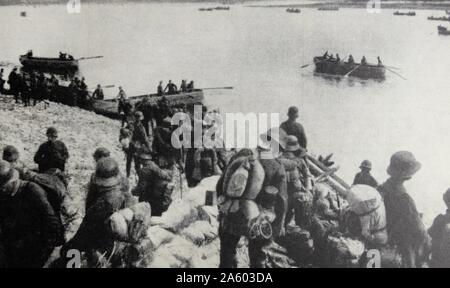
(259, 52)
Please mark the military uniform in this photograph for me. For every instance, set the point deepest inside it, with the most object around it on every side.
(155, 187)
(107, 193)
(30, 228)
(296, 129)
(365, 178)
(51, 155)
(404, 224)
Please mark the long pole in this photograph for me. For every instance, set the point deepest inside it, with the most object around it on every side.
(396, 73)
(352, 70)
(216, 88)
(87, 58)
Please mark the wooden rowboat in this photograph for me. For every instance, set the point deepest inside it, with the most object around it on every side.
(410, 13)
(443, 18)
(365, 72)
(109, 107)
(328, 8)
(293, 10)
(48, 63)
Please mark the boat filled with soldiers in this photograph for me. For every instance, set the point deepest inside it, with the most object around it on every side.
(63, 62)
(361, 70)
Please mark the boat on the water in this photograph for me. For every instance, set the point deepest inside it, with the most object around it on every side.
(443, 30)
(48, 63)
(226, 8)
(328, 8)
(409, 13)
(222, 8)
(109, 107)
(443, 18)
(23, 14)
(293, 10)
(367, 71)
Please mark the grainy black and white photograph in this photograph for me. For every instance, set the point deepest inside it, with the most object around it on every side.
(228, 134)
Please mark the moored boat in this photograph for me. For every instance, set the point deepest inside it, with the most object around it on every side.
(443, 18)
(367, 71)
(293, 10)
(409, 13)
(109, 107)
(443, 30)
(328, 8)
(222, 8)
(48, 63)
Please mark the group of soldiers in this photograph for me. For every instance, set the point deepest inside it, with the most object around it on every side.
(350, 60)
(172, 89)
(26, 86)
(31, 86)
(261, 192)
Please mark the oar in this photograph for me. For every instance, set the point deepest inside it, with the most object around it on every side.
(92, 57)
(392, 67)
(106, 86)
(395, 73)
(346, 75)
(216, 88)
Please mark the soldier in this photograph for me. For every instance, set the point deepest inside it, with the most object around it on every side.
(11, 155)
(121, 97)
(155, 183)
(124, 139)
(292, 127)
(404, 224)
(14, 83)
(183, 86)
(100, 153)
(107, 193)
(51, 154)
(260, 217)
(439, 232)
(298, 183)
(171, 88)
(98, 93)
(364, 177)
(190, 86)
(30, 228)
(140, 142)
(160, 89)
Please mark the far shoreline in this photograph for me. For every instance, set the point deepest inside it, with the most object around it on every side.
(403, 5)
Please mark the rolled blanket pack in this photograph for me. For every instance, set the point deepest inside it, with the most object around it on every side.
(131, 224)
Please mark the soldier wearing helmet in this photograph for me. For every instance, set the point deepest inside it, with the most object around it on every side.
(364, 177)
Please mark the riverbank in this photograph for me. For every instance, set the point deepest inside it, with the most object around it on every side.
(185, 236)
